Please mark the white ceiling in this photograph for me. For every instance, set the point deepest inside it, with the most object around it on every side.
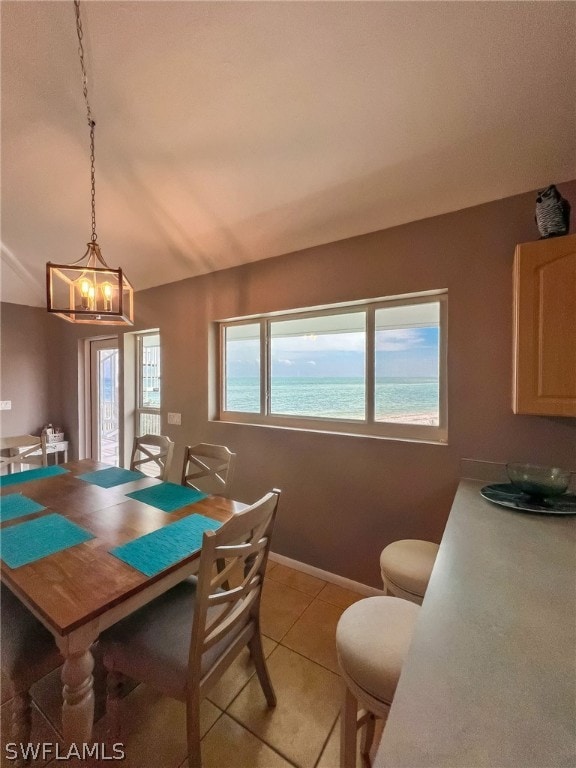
(229, 132)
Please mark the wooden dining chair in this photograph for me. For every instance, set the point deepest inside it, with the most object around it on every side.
(28, 652)
(150, 450)
(208, 468)
(23, 449)
(182, 642)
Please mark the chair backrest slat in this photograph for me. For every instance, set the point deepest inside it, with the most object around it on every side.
(23, 449)
(150, 450)
(228, 620)
(208, 468)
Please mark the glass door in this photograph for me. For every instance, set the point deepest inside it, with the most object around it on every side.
(148, 384)
(104, 400)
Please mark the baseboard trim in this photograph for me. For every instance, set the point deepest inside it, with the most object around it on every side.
(332, 578)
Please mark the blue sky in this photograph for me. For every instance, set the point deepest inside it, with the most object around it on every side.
(409, 352)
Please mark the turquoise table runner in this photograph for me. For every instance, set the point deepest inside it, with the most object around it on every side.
(160, 549)
(27, 542)
(15, 505)
(110, 477)
(168, 496)
(31, 474)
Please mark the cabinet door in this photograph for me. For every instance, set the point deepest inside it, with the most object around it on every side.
(545, 327)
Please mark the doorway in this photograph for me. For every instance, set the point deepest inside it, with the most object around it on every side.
(104, 398)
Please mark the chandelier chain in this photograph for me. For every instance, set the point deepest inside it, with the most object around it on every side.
(90, 119)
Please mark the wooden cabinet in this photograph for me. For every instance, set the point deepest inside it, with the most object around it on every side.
(545, 327)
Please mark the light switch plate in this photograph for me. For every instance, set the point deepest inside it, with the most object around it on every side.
(175, 418)
(5, 405)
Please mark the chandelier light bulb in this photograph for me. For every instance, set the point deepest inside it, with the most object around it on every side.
(107, 294)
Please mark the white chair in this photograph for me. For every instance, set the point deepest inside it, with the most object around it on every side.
(152, 450)
(372, 639)
(28, 653)
(182, 642)
(23, 449)
(406, 567)
(208, 468)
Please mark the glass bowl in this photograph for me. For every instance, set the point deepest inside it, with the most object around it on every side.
(538, 481)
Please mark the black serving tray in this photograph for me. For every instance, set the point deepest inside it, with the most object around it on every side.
(507, 495)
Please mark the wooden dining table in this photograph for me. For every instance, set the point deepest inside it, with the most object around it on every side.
(79, 592)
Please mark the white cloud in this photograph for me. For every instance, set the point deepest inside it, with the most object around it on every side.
(332, 342)
(240, 360)
(398, 340)
(395, 340)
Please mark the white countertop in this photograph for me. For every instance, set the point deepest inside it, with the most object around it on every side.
(490, 678)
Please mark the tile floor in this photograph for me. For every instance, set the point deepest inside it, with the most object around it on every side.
(299, 617)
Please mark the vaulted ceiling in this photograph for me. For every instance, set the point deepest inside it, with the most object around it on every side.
(229, 132)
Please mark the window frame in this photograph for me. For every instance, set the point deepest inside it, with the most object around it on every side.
(140, 410)
(367, 427)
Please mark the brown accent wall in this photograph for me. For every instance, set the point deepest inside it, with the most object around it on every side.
(27, 369)
(344, 498)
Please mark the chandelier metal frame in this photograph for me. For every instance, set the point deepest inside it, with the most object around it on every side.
(88, 290)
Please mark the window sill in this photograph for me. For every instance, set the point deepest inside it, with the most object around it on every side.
(335, 432)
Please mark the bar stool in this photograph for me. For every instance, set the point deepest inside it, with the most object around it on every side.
(406, 568)
(372, 639)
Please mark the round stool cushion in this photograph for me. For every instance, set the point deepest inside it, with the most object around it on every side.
(408, 564)
(372, 639)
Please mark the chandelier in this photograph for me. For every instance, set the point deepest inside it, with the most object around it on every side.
(88, 290)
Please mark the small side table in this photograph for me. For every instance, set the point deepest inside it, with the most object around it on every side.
(58, 448)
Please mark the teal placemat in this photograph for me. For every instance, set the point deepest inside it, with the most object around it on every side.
(156, 551)
(168, 496)
(31, 474)
(108, 478)
(15, 505)
(24, 543)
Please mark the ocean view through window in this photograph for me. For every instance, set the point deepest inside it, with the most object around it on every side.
(374, 368)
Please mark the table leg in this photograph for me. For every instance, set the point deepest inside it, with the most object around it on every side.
(78, 688)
